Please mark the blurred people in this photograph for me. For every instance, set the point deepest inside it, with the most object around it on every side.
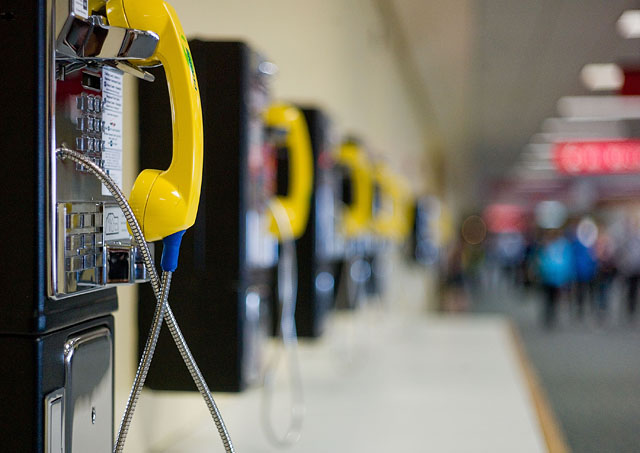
(605, 253)
(527, 268)
(509, 252)
(454, 296)
(463, 264)
(628, 262)
(584, 257)
(555, 271)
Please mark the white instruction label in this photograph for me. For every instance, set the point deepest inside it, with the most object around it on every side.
(114, 224)
(112, 119)
(262, 246)
(81, 8)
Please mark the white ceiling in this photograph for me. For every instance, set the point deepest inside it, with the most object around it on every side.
(492, 70)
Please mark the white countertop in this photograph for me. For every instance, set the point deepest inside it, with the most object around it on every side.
(387, 383)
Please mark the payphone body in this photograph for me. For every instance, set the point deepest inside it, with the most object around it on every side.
(357, 192)
(322, 245)
(422, 243)
(228, 257)
(374, 245)
(390, 225)
(69, 242)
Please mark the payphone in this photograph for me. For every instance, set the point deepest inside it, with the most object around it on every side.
(389, 224)
(422, 244)
(229, 255)
(322, 244)
(75, 227)
(289, 214)
(73, 244)
(374, 242)
(357, 195)
(391, 220)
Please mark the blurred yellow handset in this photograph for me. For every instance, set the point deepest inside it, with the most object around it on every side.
(402, 215)
(392, 220)
(166, 201)
(357, 214)
(296, 203)
(383, 222)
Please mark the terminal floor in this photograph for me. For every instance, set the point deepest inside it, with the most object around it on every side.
(382, 382)
(590, 373)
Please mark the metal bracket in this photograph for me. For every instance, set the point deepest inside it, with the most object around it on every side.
(91, 39)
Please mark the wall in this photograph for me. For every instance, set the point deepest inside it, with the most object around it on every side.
(336, 54)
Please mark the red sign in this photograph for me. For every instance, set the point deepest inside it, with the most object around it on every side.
(631, 85)
(597, 157)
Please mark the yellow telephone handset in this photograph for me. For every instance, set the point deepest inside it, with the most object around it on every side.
(405, 211)
(402, 198)
(357, 216)
(392, 223)
(166, 202)
(296, 202)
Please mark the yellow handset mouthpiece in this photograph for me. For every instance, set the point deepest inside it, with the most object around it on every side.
(165, 202)
(357, 215)
(296, 202)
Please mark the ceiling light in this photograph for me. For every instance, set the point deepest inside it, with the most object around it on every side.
(602, 77)
(599, 107)
(629, 24)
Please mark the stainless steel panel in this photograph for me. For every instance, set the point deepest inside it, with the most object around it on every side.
(256, 332)
(78, 109)
(88, 410)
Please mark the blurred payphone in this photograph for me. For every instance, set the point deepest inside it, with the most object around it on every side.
(389, 224)
(374, 243)
(356, 206)
(229, 255)
(321, 245)
(75, 246)
(422, 246)
(390, 219)
(289, 214)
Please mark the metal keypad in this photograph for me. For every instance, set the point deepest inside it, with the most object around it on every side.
(89, 123)
(81, 231)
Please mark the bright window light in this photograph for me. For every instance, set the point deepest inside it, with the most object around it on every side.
(602, 77)
(629, 24)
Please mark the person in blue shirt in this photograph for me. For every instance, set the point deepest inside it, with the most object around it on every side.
(556, 266)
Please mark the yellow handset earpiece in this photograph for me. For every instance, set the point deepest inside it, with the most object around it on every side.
(166, 202)
(392, 221)
(399, 193)
(357, 215)
(296, 202)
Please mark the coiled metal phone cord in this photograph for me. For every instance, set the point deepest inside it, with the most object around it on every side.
(287, 295)
(163, 310)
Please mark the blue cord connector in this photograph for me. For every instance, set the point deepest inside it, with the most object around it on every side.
(171, 251)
